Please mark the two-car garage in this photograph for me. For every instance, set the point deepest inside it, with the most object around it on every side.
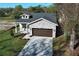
(43, 28)
(42, 32)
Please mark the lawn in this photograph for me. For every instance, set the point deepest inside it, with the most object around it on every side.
(10, 45)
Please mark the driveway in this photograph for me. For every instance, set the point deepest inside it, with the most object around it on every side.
(38, 46)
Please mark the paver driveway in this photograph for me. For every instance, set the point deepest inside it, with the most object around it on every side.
(38, 46)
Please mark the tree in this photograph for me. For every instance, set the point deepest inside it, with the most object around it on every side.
(31, 9)
(69, 14)
(6, 11)
(51, 9)
(35, 9)
(18, 8)
(39, 8)
(17, 11)
(2, 13)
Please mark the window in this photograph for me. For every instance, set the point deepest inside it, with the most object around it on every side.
(31, 16)
(26, 16)
(24, 25)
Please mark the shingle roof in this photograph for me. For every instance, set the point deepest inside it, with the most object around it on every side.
(25, 12)
(49, 16)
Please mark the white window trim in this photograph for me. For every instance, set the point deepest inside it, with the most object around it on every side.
(24, 16)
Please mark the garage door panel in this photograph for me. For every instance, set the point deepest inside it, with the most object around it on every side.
(42, 32)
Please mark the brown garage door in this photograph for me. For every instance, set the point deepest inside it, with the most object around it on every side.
(42, 32)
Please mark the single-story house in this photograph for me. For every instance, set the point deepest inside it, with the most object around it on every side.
(37, 24)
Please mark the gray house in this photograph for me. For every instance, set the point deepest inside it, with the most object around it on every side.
(37, 24)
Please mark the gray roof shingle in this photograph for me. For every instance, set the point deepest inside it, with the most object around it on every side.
(49, 16)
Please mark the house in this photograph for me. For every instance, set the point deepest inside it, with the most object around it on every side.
(37, 24)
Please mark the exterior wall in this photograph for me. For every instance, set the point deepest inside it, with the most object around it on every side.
(16, 30)
(54, 32)
(44, 24)
(41, 24)
(30, 31)
(21, 29)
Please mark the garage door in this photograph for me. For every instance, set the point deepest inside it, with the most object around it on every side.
(42, 32)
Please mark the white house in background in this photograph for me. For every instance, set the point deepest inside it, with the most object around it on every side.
(37, 24)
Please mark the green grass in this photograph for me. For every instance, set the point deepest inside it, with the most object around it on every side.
(9, 45)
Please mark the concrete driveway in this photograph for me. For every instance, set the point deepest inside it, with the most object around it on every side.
(38, 46)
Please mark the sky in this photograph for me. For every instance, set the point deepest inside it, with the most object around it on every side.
(25, 5)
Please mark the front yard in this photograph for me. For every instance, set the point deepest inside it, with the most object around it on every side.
(10, 45)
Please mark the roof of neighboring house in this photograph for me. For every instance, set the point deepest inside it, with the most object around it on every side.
(25, 12)
(49, 16)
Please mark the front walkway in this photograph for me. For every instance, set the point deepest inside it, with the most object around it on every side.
(38, 46)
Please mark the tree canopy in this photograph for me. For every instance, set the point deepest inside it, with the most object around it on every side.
(69, 14)
(18, 10)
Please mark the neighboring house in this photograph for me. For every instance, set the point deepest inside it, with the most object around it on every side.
(37, 24)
